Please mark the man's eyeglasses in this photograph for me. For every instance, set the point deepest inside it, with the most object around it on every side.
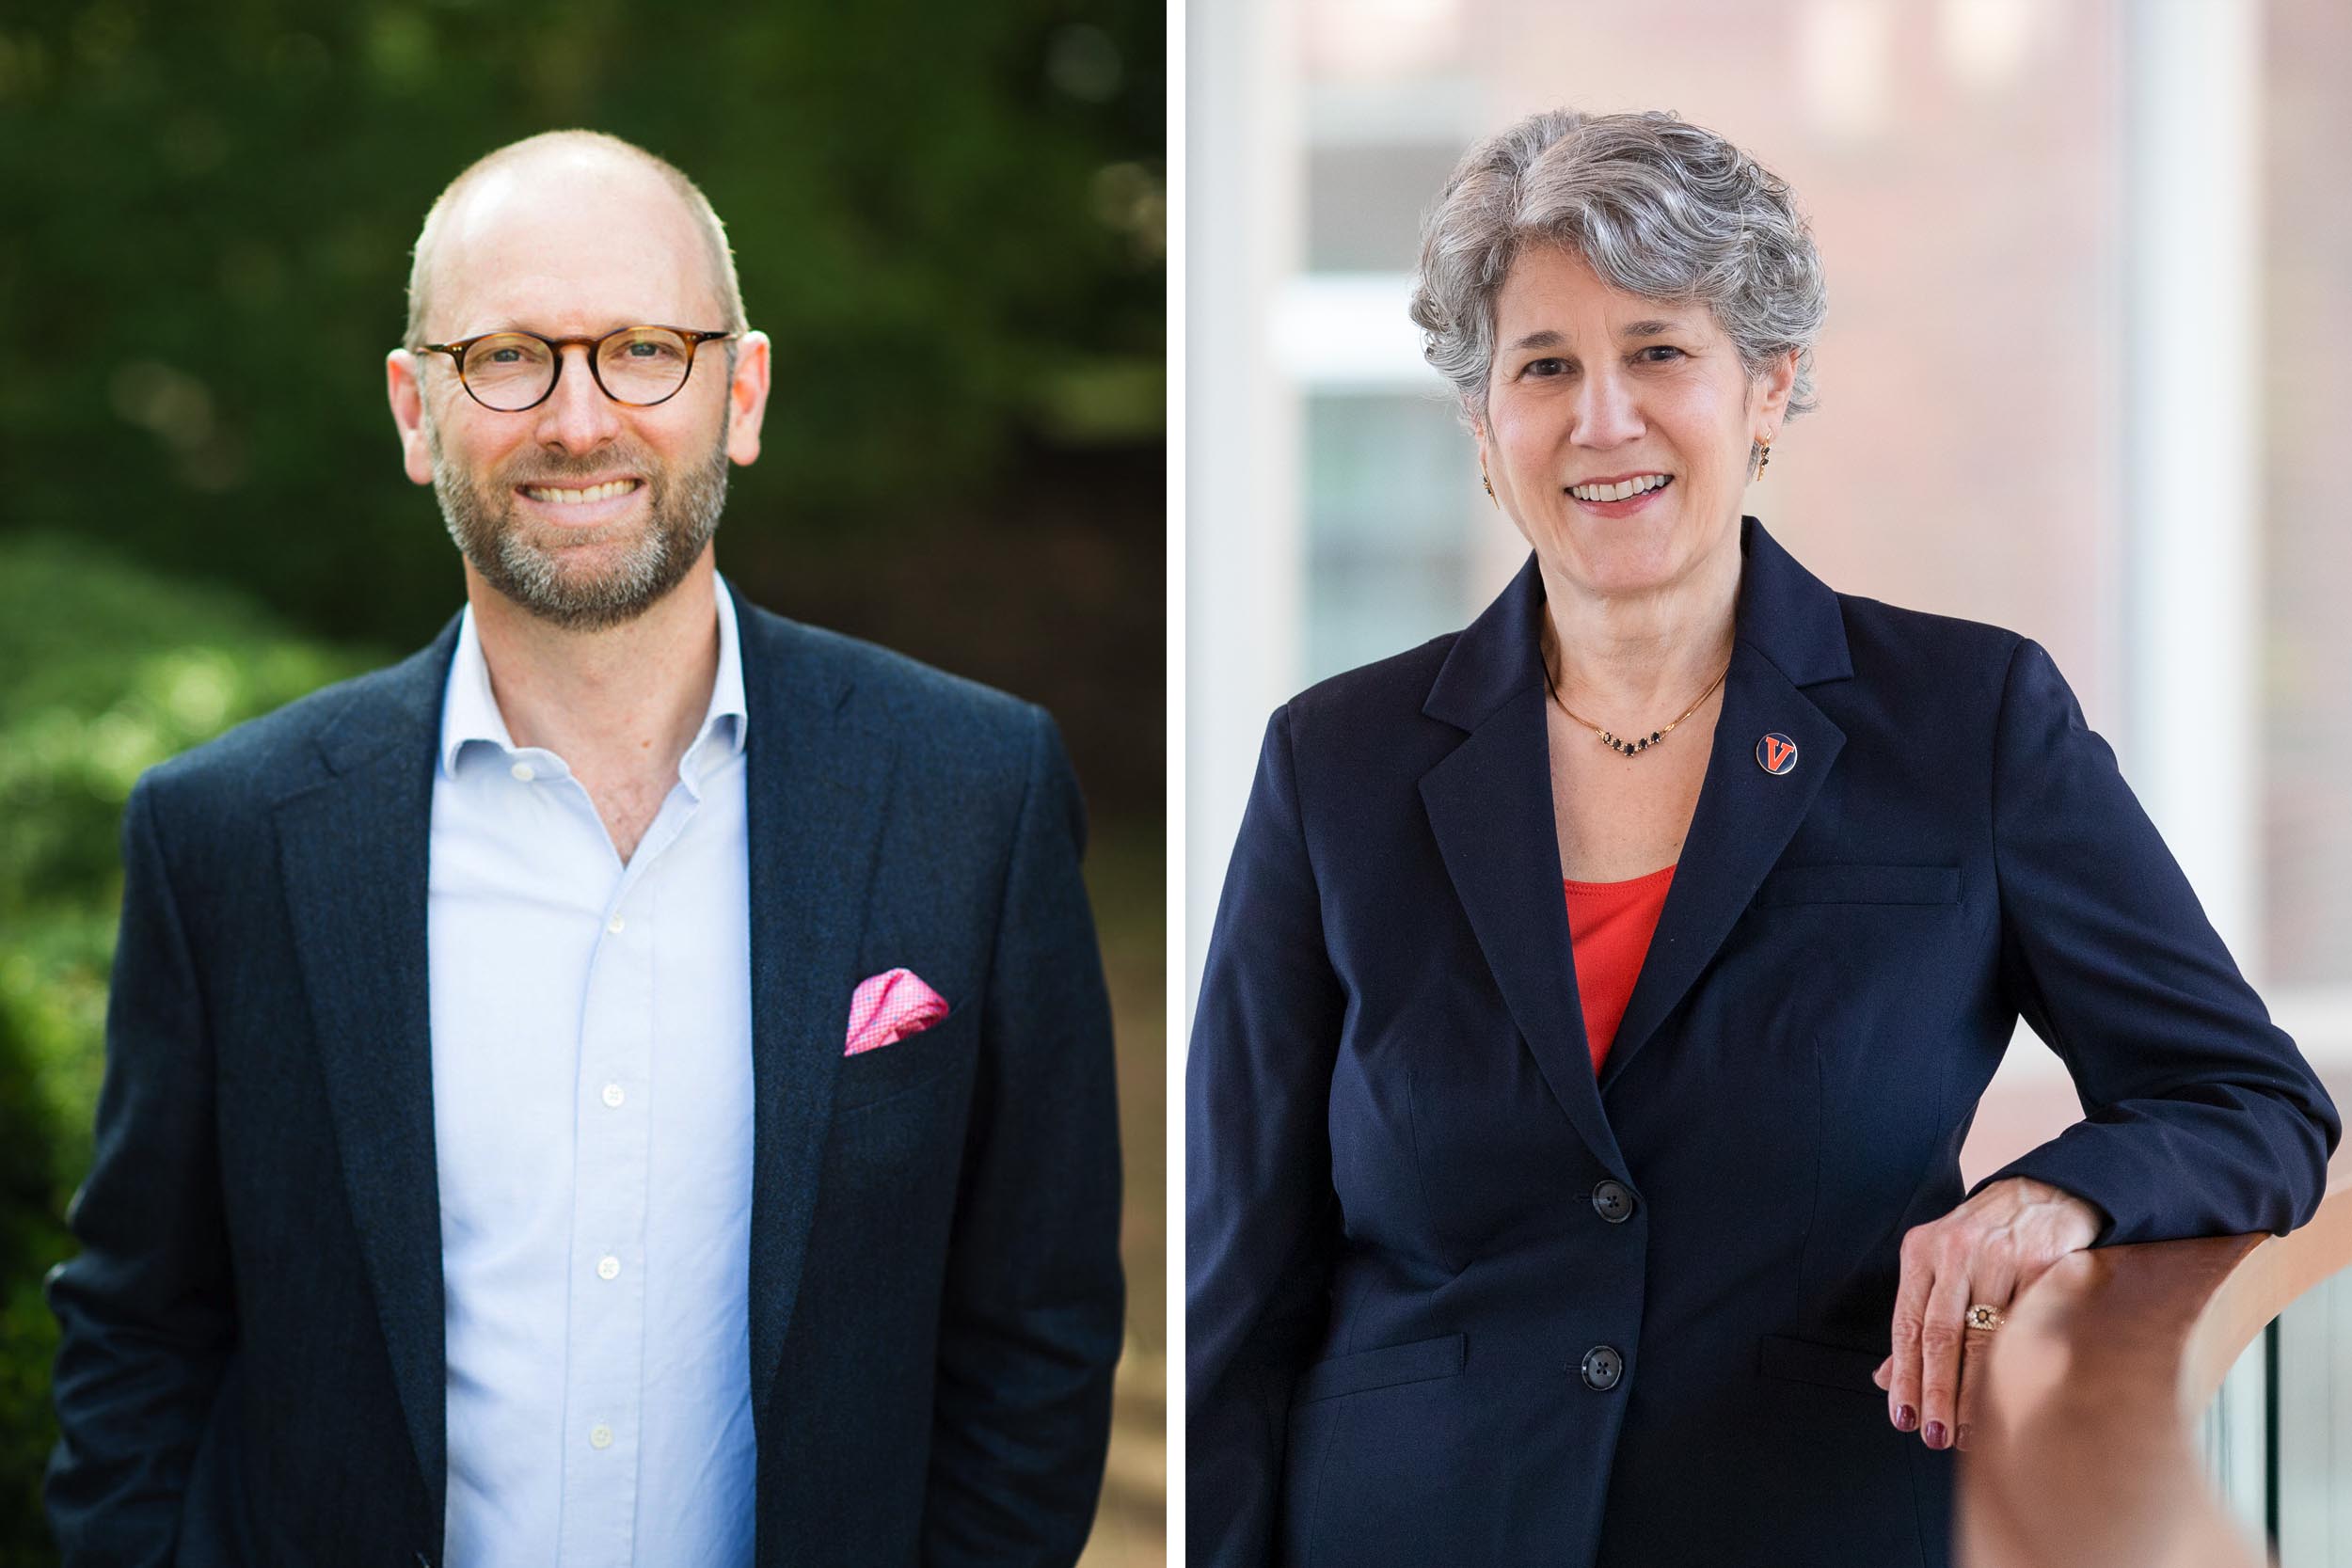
(511, 371)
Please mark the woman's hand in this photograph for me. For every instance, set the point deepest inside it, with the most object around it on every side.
(1986, 1250)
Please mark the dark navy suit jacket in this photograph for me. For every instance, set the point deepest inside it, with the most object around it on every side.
(1402, 1252)
(251, 1370)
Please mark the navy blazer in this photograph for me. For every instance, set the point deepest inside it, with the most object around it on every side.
(1453, 1300)
(252, 1364)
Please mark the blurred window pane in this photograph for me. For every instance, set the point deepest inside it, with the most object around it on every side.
(2308, 551)
(1365, 203)
(1385, 546)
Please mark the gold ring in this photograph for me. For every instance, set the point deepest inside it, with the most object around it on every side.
(1984, 1317)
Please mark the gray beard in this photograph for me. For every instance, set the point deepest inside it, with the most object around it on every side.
(681, 515)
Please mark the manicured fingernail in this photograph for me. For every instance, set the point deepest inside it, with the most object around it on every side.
(1935, 1434)
(1905, 1417)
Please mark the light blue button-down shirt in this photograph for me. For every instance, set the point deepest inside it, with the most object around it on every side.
(592, 1112)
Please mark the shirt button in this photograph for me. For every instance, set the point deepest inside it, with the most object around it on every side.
(1603, 1367)
(608, 1268)
(600, 1436)
(1612, 1202)
(615, 925)
(612, 1095)
(522, 770)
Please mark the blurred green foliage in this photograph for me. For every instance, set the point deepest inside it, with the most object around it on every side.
(31, 1239)
(946, 215)
(110, 669)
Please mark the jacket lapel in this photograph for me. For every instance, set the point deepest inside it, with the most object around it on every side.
(1789, 634)
(1489, 803)
(352, 854)
(355, 855)
(1745, 819)
(817, 773)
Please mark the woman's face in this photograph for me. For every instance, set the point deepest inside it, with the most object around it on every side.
(1594, 384)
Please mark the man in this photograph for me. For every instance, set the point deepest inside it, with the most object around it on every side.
(631, 1084)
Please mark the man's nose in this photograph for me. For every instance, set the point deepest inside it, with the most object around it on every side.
(577, 415)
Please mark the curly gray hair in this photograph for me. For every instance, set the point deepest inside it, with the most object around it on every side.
(1657, 206)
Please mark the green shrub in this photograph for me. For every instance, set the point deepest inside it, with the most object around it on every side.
(104, 670)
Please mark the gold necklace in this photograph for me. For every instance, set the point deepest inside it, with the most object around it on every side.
(1631, 748)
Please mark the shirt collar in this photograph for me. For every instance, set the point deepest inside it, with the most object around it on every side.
(727, 687)
(470, 712)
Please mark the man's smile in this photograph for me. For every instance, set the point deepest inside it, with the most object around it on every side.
(579, 504)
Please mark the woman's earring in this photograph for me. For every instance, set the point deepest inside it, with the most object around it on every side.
(1763, 458)
(1485, 484)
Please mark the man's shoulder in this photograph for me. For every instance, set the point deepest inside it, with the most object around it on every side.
(289, 749)
(883, 686)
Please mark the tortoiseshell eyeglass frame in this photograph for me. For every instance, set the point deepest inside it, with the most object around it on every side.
(556, 346)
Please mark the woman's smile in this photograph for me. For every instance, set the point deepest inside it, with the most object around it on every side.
(1645, 489)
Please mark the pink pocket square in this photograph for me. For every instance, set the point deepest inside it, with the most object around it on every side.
(890, 1006)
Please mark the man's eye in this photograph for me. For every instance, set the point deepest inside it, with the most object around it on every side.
(505, 355)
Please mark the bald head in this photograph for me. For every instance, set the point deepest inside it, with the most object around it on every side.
(538, 208)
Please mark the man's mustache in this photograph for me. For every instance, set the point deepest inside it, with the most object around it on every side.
(601, 468)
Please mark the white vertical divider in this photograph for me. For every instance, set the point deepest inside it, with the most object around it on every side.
(2192, 488)
(2192, 443)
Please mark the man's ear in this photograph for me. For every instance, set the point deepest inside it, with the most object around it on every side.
(405, 387)
(747, 397)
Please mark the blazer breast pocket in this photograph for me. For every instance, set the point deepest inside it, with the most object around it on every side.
(873, 1076)
(1860, 884)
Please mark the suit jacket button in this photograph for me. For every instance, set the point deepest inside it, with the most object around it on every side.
(1612, 1202)
(1603, 1367)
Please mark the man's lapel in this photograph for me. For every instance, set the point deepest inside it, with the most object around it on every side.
(815, 779)
(1490, 805)
(353, 852)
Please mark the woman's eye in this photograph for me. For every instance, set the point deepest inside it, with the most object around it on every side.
(1554, 365)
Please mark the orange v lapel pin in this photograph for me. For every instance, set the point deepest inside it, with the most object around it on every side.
(1776, 753)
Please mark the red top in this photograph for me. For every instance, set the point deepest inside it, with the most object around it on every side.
(1610, 925)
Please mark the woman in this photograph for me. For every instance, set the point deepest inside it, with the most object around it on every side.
(1600, 996)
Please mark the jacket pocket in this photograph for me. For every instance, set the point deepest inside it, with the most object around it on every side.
(886, 1070)
(1829, 1366)
(1417, 1362)
(1861, 884)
